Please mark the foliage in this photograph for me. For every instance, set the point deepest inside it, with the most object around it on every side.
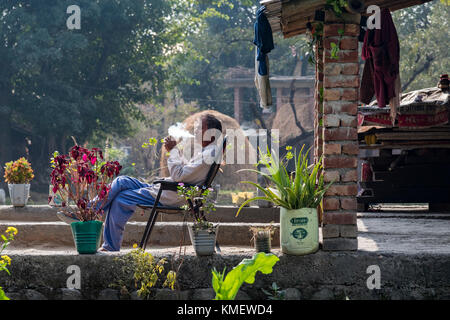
(85, 177)
(303, 188)
(5, 260)
(424, 37)
(146, 271)
(227, 287)
(225, 41)
(197, 203)
(18, 171)
(56, 82)
(338, 6)
(275, 293)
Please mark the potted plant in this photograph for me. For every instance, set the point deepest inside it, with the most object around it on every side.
(84, 178)
(262, 237)
(18, 175)
(203, 234)
(299, 194)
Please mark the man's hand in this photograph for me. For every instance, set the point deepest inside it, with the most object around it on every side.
(169, 143)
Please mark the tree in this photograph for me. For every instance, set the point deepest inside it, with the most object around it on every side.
(56, 83)
(424, 38)
(224, 40)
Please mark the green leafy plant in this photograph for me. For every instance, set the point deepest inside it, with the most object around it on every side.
(18, 172)
(275, 292)
(227, 287)
(303, 188)
(146, 271)
(5, 260)
(198, 204)
(337, 6)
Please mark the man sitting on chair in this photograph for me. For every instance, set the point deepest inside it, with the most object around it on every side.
(127, 192)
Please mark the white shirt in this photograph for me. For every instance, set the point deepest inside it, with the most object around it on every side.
(193, 171)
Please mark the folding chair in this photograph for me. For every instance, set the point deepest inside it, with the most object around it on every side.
(173, 186)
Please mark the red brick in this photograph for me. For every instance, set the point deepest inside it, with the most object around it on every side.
(342, 217)
(342, 56)
(331, 120)
(342, 190)
(350, 68)
(333, 69)
(331, 176)
(349, 121)
(348, 203)
(328, 41)
(341, 81)
(342, 133)
(350, 108)
(350, 176)
(332, 30)
(339, 161)
(350, 94)
(332, 148)
(331, 204)
(334, 107)
(331, 94)
(352, 29)
(351, 148)
(350, 43)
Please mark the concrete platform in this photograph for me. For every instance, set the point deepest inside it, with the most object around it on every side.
(222, 214)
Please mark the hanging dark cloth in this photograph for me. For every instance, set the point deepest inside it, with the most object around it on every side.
(264, 44)
(263, 39)
(381, 51)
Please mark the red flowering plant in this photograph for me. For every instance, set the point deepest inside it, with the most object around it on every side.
(85, 178)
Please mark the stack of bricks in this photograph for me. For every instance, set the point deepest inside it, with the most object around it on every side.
(340, 138)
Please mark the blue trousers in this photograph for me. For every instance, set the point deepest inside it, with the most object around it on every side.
(126, 192)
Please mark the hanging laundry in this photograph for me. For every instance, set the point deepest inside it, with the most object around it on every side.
(381, 52)
(264, 44)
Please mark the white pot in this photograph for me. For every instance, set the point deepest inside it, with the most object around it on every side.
(299, 231)
(203, 241)
(19, 194)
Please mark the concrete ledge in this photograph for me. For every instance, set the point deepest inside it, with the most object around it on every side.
(323, 275)
(164, 233)
(222, 214)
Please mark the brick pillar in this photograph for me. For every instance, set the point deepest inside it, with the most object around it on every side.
(340, 137)
(237, 104)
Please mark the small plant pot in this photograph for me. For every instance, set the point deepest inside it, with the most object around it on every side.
(87, 236)
(19, 194)
(203, 241)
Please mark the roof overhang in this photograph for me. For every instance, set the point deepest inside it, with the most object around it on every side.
(291, 16)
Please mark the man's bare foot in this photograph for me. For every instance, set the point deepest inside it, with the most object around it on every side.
(103, 250)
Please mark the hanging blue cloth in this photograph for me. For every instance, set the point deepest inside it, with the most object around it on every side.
(263, 39)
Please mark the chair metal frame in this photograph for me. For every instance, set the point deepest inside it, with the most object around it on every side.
(173, 186)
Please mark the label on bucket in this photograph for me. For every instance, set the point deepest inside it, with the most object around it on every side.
(299, 233)
(299, 221)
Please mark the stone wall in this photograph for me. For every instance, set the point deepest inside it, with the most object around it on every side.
(324, 275)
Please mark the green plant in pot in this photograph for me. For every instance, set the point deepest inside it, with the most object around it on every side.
(299, 194)
(18, 175)
(84, 178)
(203, 234)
